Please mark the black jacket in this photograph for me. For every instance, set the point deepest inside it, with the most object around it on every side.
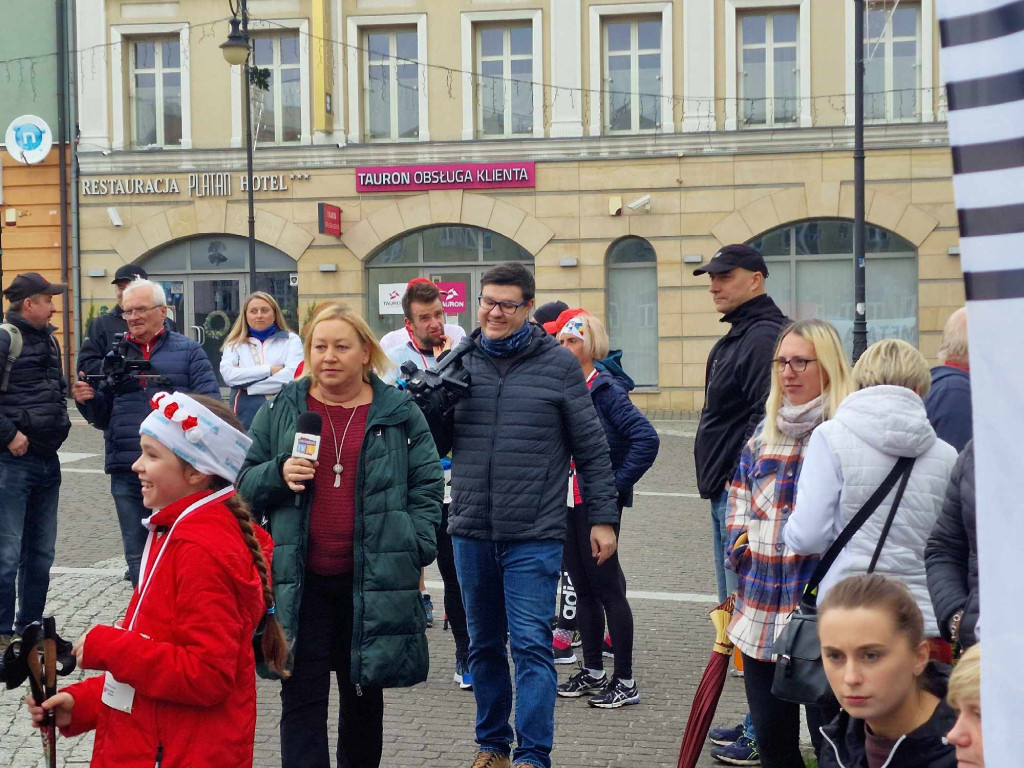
(951, 555)
(512, 438)
(843, 743)
(100, 336)
(948, 404)
(36, 401)
(120, 413)
(632, 441)
(735, 388)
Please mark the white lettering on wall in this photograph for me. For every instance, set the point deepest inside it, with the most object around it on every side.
(218, 184)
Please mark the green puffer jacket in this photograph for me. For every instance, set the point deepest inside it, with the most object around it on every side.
(399, 485)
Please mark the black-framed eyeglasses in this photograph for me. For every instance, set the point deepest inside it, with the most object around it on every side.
(507, 307)
(798, 364)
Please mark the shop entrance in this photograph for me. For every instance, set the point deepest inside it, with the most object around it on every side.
(454, 256)
(207, 280)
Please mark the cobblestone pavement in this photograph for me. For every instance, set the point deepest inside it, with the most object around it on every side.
(665, 549)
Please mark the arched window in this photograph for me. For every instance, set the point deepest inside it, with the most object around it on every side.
(633, 307)
(810, 267)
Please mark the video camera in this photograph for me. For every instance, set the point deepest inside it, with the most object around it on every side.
(437, 391)
(118, 371)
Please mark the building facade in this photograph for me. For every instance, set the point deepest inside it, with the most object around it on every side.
(611, 146)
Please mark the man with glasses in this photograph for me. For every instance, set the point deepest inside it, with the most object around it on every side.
(735, 389)
(120, 410)
(527, 412)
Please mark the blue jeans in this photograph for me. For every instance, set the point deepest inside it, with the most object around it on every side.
(725, 578)
(127, 492)
(28, 536)
(511, 587)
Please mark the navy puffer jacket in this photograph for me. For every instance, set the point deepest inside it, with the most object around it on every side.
(632, 441)
(525, 415)
(119, 414)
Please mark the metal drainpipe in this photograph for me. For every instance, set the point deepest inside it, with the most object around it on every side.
(62, 139)
(76, 245)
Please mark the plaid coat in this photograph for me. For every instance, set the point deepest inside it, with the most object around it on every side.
(771, 577)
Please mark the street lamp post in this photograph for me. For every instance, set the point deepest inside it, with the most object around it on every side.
(238, 52)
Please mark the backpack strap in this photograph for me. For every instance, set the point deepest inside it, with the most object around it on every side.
(13, 351)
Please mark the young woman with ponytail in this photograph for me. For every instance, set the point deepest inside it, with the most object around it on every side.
(178, 687)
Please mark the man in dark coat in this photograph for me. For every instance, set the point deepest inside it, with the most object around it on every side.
(119, 409)
(34, 423)
(527, 412)
(736, 382)
(948, 402)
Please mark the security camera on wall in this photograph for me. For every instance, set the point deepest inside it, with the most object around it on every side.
(642, 203)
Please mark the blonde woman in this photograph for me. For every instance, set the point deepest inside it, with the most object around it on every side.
(809, 379)
(259, 355)
(964, 695)
(351, 533)
(849, 457)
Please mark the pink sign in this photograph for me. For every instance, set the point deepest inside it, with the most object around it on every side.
(409, 178)
(453, 297)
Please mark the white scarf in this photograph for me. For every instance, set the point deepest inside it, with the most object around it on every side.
(798, 421)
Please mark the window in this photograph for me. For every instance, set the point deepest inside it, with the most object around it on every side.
(632, 75)
(391, 84)
(156, 92)
(504, 92)
(810, 268)
(633, 307)
(769, 69)
(892, 64)
(277, 111)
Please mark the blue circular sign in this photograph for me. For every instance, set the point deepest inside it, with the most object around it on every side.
(29, 139)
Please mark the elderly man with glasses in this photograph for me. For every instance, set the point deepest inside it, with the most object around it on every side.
(528, 411)
(118, 408)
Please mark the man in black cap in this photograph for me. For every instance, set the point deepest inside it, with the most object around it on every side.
(34, 423)
(736, 382)
(100, 335)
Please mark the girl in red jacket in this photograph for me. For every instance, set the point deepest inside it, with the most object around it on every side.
(178, 687)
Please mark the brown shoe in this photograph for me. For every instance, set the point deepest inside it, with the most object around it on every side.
(490, 760)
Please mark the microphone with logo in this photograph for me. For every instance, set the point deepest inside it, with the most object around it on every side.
(307, 441)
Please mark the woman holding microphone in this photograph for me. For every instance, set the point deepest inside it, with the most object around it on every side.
(347, 561)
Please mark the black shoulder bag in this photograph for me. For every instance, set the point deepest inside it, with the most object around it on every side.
(799, 674)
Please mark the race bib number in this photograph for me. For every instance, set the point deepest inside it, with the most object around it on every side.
(119, 696)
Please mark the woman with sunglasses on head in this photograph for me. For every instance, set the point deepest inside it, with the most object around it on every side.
(875, 654)
(810, 378)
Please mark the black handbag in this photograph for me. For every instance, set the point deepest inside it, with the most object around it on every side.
(799, 673)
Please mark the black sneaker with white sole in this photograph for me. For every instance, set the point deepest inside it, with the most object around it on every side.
(564, 655)
(615, 695)
(581, 684)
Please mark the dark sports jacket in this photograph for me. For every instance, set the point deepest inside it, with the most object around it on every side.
(632, 441)
(951, 555)
(36, 399)
(948, 404)
(512, 439)
(735, 389)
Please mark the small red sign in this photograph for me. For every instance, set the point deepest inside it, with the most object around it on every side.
(453, 297)
(329, 217)
(411, 178)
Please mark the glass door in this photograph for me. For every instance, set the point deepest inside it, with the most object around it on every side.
(214, 308)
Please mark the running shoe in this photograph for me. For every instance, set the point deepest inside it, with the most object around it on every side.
(606, 649)
(577, 641)
(428, 606)
(462, 675)
(615, 695)
(563, 655)
(743, 752)
(724, 736)
(581, 684)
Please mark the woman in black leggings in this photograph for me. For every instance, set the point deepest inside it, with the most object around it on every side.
(601, 590)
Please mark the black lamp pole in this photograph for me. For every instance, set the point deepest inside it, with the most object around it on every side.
(860, 322)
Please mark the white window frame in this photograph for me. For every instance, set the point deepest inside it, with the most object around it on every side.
(271, 26)
(392, 64)
(508, 87)
(158, 72)
(472, 19)
(598, 13)
(926, 51)
(356, 26)
(733, 10)
(275, 84)
(635, 52)
(121, 38)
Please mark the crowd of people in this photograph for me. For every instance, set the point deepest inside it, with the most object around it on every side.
(249, 557)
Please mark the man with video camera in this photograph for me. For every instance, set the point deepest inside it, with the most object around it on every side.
(120, 402)
(526, 412)
(34, 423)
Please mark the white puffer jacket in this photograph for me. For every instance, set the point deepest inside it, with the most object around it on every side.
(847, 458)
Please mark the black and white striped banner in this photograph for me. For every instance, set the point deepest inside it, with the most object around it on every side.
(983, 65)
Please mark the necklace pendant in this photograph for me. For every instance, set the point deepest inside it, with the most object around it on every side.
(338, 469)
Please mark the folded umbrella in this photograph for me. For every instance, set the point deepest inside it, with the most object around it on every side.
(705, 700)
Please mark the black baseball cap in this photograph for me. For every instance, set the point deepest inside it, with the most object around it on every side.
(732, 257)
(32, 284)
(545, 313)
(128, 272)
